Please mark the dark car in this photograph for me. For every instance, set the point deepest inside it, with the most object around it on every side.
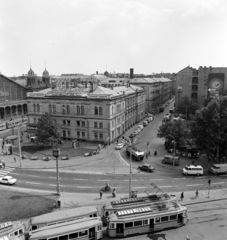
(146, 167)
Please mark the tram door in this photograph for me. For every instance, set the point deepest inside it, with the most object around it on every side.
(180, 218)
(120, 228)
(152, 224)
(92, 233)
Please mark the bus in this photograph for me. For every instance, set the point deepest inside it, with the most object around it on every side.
(137, 154)
(147, 219)
(86, 228)
(12, 231)
(62, 216)
(2, 126)
(129, 203)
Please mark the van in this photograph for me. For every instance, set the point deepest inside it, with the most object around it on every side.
(219, 168)
(174, 160)
(193, 170)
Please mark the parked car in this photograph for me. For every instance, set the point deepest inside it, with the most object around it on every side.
(141, 127)
(146, 167)
(33, 139)
(8, 180)
(132, 135)
(136, 131)
(64, 158)
(219, 168)
(151, 118)
(119, 146)
(46, 158)
(145, 123)
(174, 160)
(34, 158)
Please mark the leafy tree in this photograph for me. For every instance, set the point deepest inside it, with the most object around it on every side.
(187, 107)
(175, 130)
(47, 132)
(209, 127)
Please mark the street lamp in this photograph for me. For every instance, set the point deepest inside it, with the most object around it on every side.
(56, 154)
(19, 139)
(174, 145)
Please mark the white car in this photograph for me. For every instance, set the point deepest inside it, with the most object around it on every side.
(119, 146)
(145, 123)
(8, 180)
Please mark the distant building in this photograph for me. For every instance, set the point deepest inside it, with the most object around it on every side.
(87, 111)
(13, 102)
(200, 84)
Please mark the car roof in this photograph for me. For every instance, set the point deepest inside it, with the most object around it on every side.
(7, 177)
(146, 164)
(194, 166)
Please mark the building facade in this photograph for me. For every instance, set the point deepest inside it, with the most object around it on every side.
(200, 84)
(88, 111)
(13, 102)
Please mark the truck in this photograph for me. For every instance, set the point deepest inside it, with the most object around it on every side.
(219, 168)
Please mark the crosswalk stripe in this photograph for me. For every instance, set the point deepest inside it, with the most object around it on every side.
(5, 171)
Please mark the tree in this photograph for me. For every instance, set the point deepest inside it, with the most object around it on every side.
(47, 132)
(209, 127)
(187, 107)
(175, 130)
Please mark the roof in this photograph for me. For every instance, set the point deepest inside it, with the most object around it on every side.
(12, 81)
(64, 214)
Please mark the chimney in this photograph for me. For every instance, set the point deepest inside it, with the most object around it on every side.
(131, 72)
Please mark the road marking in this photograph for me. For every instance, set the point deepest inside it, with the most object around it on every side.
(156, 179)
(56, 185)
(104, 180)
(165, 186)
(80, 179)
(33, 176)
(32, 183)
(132, 180)
(194, 185)
(122, 159)
(83, 187)
(51, 177)
(178, 178)
(140, 187)
(217, 183)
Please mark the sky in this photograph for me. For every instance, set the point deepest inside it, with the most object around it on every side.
(85, 36)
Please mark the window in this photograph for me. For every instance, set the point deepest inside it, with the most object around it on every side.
(112, 123)
(73, 235)
(64, 237)
(99, 227)
(78, 123)
(194, 87)
(82, 110)
(78, 134)
(54, 109)
(38, 108)
(157, 220)
(112, 109)
(145, 222)
(112, 226)
(34, 227)
(63, 109)
(21, 232)
(34, 107)
(95, 125)
(83, 124)
(96, 110)
(101, 136)
(100, 110)
(138, 223)
(83, 233)
(128, 224)
(96, 136)
(68, 109)
(34, 120)
(83, 134)
(195, 80)
(68, 122)
(64, 122)
(172, 217)
(165, 219)
(69, 134)
(78, 110)
(55, 238)
(100, 125)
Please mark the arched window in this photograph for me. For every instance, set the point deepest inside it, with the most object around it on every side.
(63, 109)
(100, 110)
(96, 111)
(82, 110)
(68, 109)
(38, 108)
(34, 106)
(78, 110)
(50, 108)
(54, 109)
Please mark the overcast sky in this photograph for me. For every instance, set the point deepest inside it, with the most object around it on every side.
(85, 36)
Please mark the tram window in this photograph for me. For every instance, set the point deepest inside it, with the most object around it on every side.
(43, 239)
(107, 214)
(83, 233)
(21, 232)
(157, 220)
(73, 235)
(145, 222)
(138, 223)
(128, 224)
(64, 237)
(99, 227)
(112, 226)
(95, 214)
(55, 238)
(90, 215)
(172, 217)
(34, 227)
(165, 219)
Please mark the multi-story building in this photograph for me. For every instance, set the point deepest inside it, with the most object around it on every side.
(200, 84)
(88, 111)
(13, 102)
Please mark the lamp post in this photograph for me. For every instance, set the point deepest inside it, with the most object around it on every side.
(56, 154)
(174, 144)
(18, 130)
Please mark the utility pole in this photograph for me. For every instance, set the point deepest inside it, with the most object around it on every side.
(18, 129)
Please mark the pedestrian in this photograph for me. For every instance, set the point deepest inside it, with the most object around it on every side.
(155, 152)
(3, 164)
(100, 194)
(182, 196)
(117, 140)
(114, 192)
(209, 182)
(196, 193)
(193, 162)
(15, 159)
(149, 153)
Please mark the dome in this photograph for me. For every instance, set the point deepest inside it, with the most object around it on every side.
(45, 73)
(31, 72)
